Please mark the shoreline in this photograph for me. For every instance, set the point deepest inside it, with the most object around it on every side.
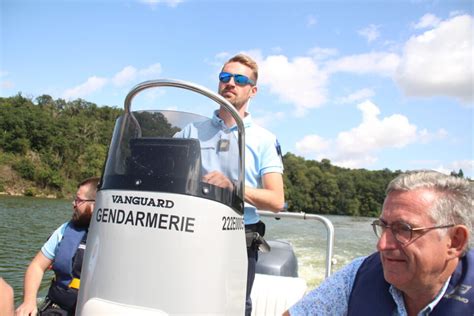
(18, 194)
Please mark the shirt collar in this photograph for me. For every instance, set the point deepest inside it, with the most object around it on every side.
(217, 121)
(398, 298)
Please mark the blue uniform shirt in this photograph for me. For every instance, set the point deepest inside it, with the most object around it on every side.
(219, 150)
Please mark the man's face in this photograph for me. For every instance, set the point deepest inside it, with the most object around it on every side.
(421, 261)
(82, 208)
(235, 94)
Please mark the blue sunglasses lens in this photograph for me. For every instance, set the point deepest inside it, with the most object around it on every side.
(240, 80)
(225, 77)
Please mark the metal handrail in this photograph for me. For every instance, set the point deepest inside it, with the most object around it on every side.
(205, 92)
(327, 223)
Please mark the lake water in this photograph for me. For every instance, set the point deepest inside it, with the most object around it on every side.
(26, 223)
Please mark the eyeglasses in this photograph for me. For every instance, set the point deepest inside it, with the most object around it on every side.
(239, 80)
(402, 232)
(78, 200)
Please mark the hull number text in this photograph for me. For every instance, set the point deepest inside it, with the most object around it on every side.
(232, 223)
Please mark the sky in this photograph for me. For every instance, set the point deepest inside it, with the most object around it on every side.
(366, 84)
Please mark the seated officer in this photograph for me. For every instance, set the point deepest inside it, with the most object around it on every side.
(64, 250)
(423, 265)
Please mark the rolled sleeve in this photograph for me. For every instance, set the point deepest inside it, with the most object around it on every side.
(51, 245)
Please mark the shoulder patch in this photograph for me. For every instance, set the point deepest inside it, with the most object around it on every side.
(278, 149)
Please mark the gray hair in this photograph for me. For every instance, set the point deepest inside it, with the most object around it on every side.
(454, 204)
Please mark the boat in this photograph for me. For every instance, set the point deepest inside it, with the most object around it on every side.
(277, 285)
(162, 241)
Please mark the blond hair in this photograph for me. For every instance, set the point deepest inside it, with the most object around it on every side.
(247, 61)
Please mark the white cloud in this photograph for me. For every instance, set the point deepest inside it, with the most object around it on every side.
(319, 53)
(125, 76)
(427, 21)
(153, 94)
(427, 137)
(439, 61)
(130, 74)
(154, 3)
(299, 81)
(151, 71)
(375, 133)
(358, 147)
(357, 96)
(256, 54)
(381, 63)
(370, 33)
(467, 166)
(312, 143)
(223, 56)
(91, 85)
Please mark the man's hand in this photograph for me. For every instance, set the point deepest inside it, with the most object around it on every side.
(33, 276)
(218, 179)
(26, 309)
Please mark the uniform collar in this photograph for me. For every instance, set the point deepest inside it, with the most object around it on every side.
(217, 121)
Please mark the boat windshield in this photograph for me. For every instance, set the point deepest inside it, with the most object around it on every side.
(172, 151)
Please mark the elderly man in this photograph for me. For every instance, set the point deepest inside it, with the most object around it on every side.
(423, 265)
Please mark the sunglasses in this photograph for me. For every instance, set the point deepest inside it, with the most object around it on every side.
(239, 80)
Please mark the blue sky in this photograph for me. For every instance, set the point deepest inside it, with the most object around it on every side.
(366, 84)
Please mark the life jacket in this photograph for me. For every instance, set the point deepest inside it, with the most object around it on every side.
(370, 293)
(67, 267)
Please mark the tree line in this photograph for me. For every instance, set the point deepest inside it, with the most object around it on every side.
(47, 146)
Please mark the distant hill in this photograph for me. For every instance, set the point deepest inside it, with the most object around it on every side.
(47, 146)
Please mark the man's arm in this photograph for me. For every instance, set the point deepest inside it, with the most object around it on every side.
(6, 298)
(332, 296)
(33, 276)
(271, 197)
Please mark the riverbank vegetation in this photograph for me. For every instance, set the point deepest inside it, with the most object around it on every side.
(47, 146)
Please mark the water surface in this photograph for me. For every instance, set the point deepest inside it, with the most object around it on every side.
(26, 223)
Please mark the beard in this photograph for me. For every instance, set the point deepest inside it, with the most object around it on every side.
(237, 101)
(84, 219)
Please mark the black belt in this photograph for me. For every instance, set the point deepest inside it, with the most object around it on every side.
(258, 227)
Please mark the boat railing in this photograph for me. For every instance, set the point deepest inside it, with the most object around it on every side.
(304, 216)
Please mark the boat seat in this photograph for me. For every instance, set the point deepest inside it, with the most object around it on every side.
(272, 295)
